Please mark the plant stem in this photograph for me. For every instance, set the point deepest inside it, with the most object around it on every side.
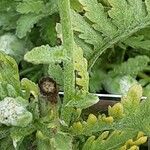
(143, 75)
(24, 72)
(68, 44)
(118, 38)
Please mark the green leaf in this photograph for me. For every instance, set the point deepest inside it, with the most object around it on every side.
(45, 55)
(6, 144)
(119, 84)
(131, 15)
(138, 42)
(95, 12)
(9, 71)
(87, 49)
(136, 114)
(18, 134)
(97, 77)
(113, 142)
(87, 33)
(26, 22)
(64, 139)
(82, 101)
(13, 46)
(54, 142)
(115, 133)
(80, 67)
(48, 30)
(103, 27)
(8, 20)
(11, 91)
(3, 90)
(56, 72)
(51, 7)
(4, 132)
(7, 90)
(43, 144)
(132, 98)
(7, 5)
(30, 87)
(30, 6)
(88, 143)
(76, 5)
(132, 67)
(147, 90)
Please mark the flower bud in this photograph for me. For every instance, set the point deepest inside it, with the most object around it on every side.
(92, 119)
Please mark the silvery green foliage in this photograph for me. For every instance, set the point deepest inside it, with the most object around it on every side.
(119, 84)
(103, 27)
(45, 55)
(121, 75)
(131, 67)
(11, 45)
(31, 13)
(102, 30)
(13, 112)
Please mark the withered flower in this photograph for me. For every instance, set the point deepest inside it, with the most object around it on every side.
(48, 88)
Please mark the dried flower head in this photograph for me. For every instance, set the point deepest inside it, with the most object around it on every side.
(48, 87)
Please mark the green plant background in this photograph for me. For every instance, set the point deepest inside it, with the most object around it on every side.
(86, 46)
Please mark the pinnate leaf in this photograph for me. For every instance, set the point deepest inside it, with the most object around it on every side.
(30, 6)
(44, 55)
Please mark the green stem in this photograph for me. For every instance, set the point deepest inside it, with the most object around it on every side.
(68, 44)
(118, 38)
(143, 75)
(24, 72)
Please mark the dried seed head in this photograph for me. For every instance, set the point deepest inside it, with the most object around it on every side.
(48, 87)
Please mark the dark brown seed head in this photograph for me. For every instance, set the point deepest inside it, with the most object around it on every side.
(47, 86)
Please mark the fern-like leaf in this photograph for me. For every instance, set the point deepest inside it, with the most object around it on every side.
(25, 23)
(30, 6)
(107, 27)
(129, 118)
(132, 67)
(95, 12)
(7, 5)
(44, 55)
(138, 42)
(31, 15)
